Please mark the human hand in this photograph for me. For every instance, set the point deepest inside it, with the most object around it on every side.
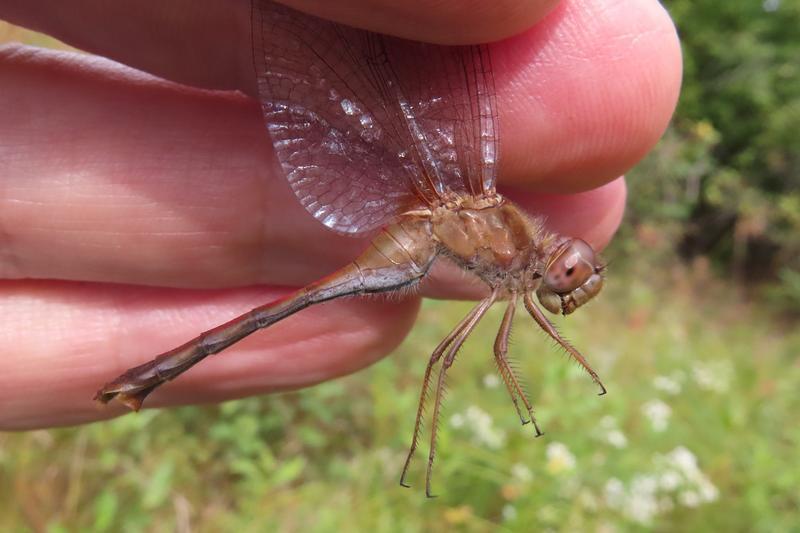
(136, 213)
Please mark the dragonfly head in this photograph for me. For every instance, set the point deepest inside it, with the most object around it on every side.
(572, 277)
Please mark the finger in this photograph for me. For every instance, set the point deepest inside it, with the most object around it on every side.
(69, 339)
(583, 95)
(207, 42)
(444, 21)
(600, 77)
(587, 93)
(113, 176)
(197, 42)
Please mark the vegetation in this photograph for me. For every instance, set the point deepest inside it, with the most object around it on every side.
(698, 432)
(726, 178)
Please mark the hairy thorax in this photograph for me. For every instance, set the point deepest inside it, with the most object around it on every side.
(496, 241)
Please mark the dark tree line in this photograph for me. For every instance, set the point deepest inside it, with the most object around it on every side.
(725, 181)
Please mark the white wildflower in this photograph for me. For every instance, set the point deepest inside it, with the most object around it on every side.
(642, 508)
(608, 423)
(616, 438)
(644, 484)
(669, 480)
(677, 479)
(667, 384)
(614, 493)
(684, 460)
(611, 433)
(708, 491)
(483, 432)
(559, 458)
(689, 498)
(642, 502)
(713, 376)
(509, 512)
(658, 413)
(639, 504)
(697, 487)
(491, 381)
(770, 5)
(521, 472)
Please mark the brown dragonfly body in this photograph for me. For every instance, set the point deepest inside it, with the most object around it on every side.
(419, 144)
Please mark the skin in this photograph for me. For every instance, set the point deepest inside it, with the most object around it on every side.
(136, 212)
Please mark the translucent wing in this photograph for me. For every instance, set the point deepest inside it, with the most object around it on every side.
(367, 126)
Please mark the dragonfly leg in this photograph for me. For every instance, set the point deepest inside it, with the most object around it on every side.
(550, 329)
(506, 372)
(447, 363)
(435, 356)
(386, 266)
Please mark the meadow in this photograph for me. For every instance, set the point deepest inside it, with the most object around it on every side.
(698, 433)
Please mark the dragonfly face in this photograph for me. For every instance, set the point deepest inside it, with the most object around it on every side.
(573, 276)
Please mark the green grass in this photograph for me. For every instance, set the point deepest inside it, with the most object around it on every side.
(665, 342)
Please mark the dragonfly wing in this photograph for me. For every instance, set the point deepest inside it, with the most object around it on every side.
(367, 126)
(448, 100)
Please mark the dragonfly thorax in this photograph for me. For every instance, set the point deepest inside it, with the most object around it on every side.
(499, 243)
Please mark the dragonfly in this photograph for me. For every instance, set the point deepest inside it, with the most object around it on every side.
(396, 139)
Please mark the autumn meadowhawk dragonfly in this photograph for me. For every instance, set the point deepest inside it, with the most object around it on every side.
(383, 135)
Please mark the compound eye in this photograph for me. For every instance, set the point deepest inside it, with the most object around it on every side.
(569, 267)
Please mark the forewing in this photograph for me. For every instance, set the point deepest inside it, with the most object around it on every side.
(367, 126)
(451, 95)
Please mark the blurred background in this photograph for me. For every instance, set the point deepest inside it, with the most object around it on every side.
(695, 336)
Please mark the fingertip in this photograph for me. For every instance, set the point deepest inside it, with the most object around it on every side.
(587, 93)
